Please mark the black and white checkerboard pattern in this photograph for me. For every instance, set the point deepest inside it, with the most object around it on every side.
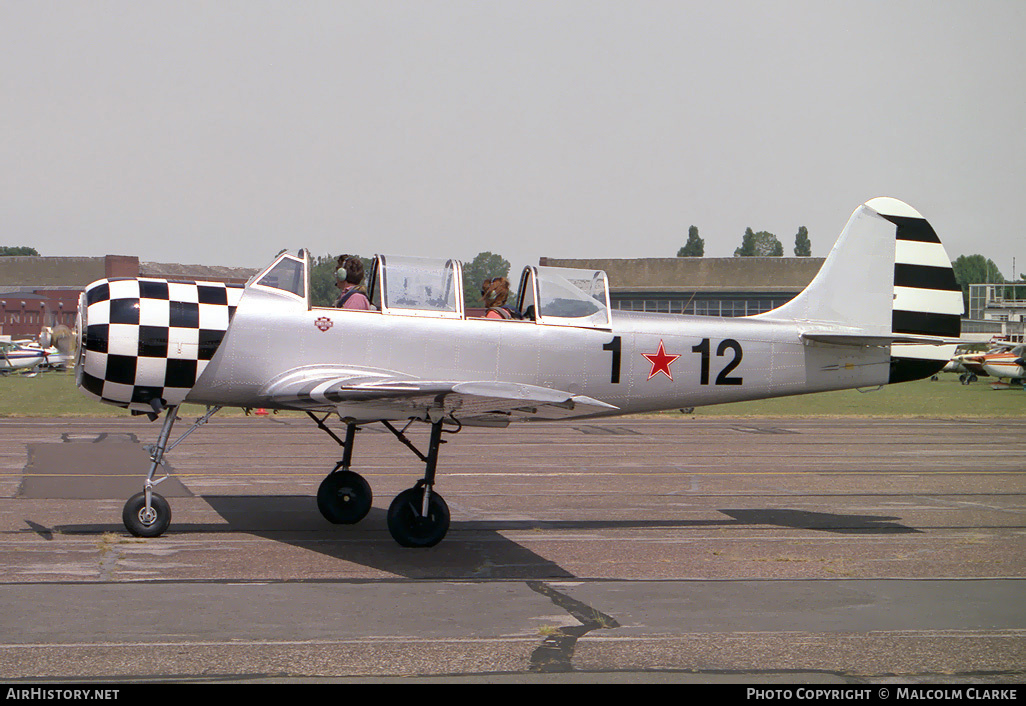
(150, 339)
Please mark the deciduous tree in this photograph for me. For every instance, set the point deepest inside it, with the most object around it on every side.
(761, 244)
(695, 247)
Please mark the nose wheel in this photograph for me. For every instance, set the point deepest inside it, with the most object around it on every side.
(144, 520)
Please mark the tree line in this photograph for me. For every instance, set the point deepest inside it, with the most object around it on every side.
(761, 244)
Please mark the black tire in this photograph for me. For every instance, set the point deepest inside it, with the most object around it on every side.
(344, 498)
(146, 524)
(409, 528)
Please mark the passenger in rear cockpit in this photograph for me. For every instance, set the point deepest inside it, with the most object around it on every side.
(348, 277)
(494, 292)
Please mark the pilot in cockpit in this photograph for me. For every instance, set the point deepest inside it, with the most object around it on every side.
(348, 277)
(494, 292)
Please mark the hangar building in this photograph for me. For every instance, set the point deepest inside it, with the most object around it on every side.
(43, 291)
(712, 286)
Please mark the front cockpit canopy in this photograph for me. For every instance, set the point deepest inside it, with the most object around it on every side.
(287, 274)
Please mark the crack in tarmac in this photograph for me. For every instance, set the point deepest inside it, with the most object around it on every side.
(556, 652)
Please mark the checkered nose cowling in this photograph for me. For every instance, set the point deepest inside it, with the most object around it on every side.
(145, 340)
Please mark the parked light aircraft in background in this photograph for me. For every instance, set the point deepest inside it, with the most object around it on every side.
(1005, 362)
(15, 357)
(52, 351)
(149, 345)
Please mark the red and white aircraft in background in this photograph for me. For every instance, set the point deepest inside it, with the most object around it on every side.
(1004, 361)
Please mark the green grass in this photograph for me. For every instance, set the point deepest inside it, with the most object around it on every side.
(946, 397)
(54, 395)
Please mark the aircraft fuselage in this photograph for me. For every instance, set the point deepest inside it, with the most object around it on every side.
(645, 362)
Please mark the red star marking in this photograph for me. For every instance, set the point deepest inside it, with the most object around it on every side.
(660, 362)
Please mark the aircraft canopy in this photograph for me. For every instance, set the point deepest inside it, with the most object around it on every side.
(417, 286)
(569, 297)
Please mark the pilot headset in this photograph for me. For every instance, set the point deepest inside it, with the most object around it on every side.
(340, 273)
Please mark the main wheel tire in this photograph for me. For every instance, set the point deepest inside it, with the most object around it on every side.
(146, 523)
(344, 498)
(412, 529)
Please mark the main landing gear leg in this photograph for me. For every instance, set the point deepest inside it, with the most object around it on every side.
(419, 517)
(148, 514)
(344, 497)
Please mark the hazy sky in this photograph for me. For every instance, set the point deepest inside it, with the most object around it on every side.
(220, 132)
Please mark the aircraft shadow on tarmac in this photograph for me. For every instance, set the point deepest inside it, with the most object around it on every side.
(474, 549)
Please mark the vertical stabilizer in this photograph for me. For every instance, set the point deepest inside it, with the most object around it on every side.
(854, 290)
(887, 277)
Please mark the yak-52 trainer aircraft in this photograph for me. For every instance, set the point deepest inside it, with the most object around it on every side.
(149, 345)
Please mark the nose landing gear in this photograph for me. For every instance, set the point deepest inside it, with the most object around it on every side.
(148, 514)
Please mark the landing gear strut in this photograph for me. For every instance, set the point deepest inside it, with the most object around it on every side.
(419, 517)
(148, 514)
(344, 497)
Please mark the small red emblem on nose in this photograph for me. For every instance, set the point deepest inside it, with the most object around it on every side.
(323, 323)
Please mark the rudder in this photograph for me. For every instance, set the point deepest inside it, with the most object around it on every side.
(927, 297)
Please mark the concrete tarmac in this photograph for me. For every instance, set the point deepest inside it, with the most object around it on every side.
(669, 549)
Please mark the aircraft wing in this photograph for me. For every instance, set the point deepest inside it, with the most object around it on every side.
(368, 394)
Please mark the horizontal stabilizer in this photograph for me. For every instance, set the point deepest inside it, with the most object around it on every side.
(854, 339)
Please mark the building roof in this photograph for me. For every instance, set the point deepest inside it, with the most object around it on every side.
(24, 272)
(696, 274)
(35, 272)
(172, 270)
(21, 294)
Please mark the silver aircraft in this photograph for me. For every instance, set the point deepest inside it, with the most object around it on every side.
(149, 345)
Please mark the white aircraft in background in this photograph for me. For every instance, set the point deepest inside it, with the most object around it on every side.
(19, 358)
(54, 350)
